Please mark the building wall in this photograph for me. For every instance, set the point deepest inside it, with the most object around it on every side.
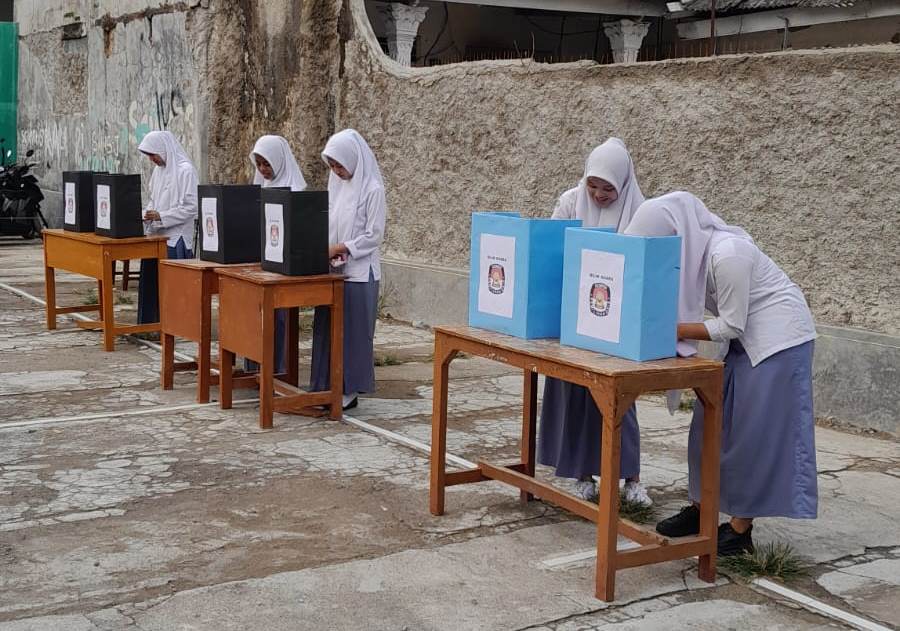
(800, 148)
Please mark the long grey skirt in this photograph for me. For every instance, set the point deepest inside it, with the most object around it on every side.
(360, 312)
(571, 429)
(768, 466)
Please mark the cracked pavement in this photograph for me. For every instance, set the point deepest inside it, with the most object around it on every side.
(196, 519)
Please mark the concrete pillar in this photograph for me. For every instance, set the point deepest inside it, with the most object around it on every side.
(626, 37)
(403, 22)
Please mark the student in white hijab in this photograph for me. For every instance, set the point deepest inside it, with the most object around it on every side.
(171, 211)
(275, 166)
(768, 462)
(356, 217)
(570, 429)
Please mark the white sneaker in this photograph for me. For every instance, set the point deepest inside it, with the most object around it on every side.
(586, 490)
(636, 493)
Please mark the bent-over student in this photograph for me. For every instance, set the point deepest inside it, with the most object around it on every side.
(768, 460)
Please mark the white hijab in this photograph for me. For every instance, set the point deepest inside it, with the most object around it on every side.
(277, 152)
(611, 162)
(683, 214)
(169, 183)
(347, 197)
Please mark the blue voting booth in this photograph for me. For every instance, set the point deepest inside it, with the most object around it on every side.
(620, 293)
(515, 274)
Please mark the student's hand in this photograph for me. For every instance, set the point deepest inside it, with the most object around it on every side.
(152, 215)
(339, 250)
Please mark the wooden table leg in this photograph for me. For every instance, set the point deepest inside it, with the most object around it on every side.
(204, 351)
(442, 358)
(292, 352)
(529, 428)
(106, 302)
(50, 291)
(226, 383)
(612, 407)
(336, 378)
(711, 397)
(167, 372)
(267, 365)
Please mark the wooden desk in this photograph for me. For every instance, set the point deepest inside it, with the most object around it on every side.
(614, 384)
(186, 288)
(91, 255)
(248, 299)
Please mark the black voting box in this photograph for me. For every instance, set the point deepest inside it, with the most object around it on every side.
(229, 223)
(294, 232)
(118, 206)
(78, 200)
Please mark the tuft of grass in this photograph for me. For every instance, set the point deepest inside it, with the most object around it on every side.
(638, 513)
(687, 403)
(124, 299)
(772, 560)
(387, 360)
(89, 296)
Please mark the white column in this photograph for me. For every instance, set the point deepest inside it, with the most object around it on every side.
(403, 22)
(626, 37)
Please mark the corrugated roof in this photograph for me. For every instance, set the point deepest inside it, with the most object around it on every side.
(761, 5)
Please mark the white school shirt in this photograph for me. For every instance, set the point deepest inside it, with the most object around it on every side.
(753, 300)
(361, 229)
(565, 209)
(177, 216)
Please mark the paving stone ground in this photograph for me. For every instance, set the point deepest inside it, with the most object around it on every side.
(194, 518)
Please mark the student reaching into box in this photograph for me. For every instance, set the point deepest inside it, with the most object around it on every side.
(768, 462)
(275, 166)
(171, 212)
(570, 429)
(356, 214)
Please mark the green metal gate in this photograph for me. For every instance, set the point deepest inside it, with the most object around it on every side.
(9, 82)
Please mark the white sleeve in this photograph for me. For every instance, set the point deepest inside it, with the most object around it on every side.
(565, 205)
(185, 209)
(731, 275)
(364, 244)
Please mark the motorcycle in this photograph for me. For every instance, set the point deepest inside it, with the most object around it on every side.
(20, 197)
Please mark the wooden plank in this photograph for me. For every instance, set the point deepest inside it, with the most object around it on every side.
(181, 303)
(130, 329)
(654, 553)
(184, 366)
(710, 395)
(90, 325)
(336, 361)
(529, 428)
(468, 476)
(443, 355)
(641, 534)
(108, 315)
(531, 354)
(79, 309)
(540, 489)
(306, 399)
(240, 317)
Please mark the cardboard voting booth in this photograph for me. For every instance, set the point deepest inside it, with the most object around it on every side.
(294, 228)
(118, 205)
(515, 278)
(620, 293)
(78, 201)
(229, 222)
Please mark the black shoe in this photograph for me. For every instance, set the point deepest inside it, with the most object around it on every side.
(732, 542)
(352, 404)
(685, 523)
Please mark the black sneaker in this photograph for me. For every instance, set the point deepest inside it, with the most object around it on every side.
(732, 542)
(352, 404)
(685, 523)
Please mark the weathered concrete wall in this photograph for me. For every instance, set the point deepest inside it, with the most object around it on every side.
(87, 103)
(802, 149)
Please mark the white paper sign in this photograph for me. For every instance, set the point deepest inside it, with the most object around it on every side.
(275, 233)
(600, 295)
(70, 203)
(103, 213)
(210, 224)
(497, 275)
